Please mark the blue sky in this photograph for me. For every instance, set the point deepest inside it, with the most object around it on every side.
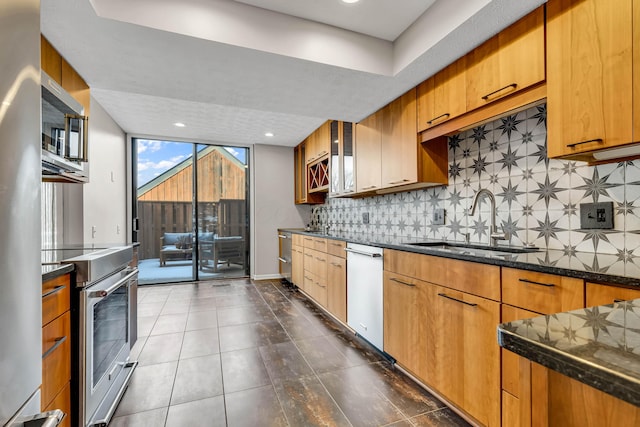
(156, 157)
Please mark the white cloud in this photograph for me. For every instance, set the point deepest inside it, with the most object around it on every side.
(233, 151)
(162, 164)
(151, 145)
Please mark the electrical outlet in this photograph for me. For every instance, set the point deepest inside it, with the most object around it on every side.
(438, 216)
(596, 215)
(365, 217)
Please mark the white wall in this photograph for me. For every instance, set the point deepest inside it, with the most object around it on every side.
(104, 197)
(272, 207)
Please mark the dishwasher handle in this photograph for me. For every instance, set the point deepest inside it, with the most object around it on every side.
(369, 254)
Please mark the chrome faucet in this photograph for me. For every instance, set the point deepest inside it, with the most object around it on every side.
(493, 233)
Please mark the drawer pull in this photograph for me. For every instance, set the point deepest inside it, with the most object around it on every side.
(309, 255)
(321, 259)
(445, 115)
(308, 278)
(598, 140)
(57, 344)
(308, 238)
(335, 264)
(548, 285)
(54, 291)
(399, 182)
(401, 282)
(319, 241)
(616, 301)
(512, 85)
(322, 286)
(337, 244)
(458, 300)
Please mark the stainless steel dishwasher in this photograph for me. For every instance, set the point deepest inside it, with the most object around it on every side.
(364, 292)
(284, 239)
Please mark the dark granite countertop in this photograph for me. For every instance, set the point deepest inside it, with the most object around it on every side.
(51, 271)
(595, 267)
(599, 346)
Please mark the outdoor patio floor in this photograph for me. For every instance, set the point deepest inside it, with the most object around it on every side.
(150, 272)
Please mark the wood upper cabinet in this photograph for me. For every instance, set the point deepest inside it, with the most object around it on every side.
(368, 153)
(510, 61)
(590, 87)
(63, 73)
(443, 96)
(399, 142)
(301, 189)
(318, 143)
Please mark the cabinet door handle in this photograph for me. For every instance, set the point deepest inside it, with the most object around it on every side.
(393, 279)
(308, 278)
(512, 85)
(598, 140)
(371, 187)
(322, 286)
(618, 300)
(53, 291)
(335, 264)
(322, 153)
(548, 285)
(57, 344)
(309, 255)
(457, 300)
(321, 259)
(445, 115)
(399, 182)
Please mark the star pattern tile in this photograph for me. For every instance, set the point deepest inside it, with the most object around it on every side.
(538, 199)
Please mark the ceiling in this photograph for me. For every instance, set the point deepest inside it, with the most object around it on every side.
(232, 70)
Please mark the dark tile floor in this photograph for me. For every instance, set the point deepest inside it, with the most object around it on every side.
(244, 353)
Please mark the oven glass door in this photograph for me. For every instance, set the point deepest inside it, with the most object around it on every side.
(104, 309)
(110, 331)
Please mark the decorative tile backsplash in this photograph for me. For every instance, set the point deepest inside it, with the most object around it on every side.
(538, 199)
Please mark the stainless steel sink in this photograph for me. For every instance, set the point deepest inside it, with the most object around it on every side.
(476, 249)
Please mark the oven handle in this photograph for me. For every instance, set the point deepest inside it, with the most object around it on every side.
(106, 292)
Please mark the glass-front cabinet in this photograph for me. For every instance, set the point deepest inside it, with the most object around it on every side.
(342, 163)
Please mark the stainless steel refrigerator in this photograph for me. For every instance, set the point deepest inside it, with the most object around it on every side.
(20, 163)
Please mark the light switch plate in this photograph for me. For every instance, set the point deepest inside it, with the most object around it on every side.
(596, 215)
(438, 217)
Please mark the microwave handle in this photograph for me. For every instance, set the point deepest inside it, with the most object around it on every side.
(85, 137)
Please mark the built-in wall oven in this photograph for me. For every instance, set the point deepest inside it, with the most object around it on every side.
(101, 317)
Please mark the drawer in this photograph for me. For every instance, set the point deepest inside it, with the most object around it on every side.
(336, 247)
(56, 357)
(307, 242)
(471, 277)
(315, 262)
(316, 287)
(603, 294)
(297, 239)
(62, 401)
(55, 297)
(540, 292)
(320, 244)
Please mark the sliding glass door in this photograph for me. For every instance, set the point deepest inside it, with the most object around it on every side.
(192, 216)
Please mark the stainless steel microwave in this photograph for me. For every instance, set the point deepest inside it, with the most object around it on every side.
(64, 135)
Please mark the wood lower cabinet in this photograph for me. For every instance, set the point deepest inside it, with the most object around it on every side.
(320, 268)
(558, 400)
(598, 294)
(56, 346)
(404, 320)
(444, 336)
(337, 286)
(590, 83)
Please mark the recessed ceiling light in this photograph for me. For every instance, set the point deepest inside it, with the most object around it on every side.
(350, 1)
(179, 124)
(268, 134)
